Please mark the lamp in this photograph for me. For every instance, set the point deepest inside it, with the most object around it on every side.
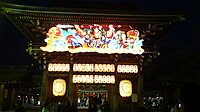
(59, 87)
(125, 88)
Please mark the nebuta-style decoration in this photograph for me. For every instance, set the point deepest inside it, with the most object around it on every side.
(125, 88)
(59, 87)
(93, 38)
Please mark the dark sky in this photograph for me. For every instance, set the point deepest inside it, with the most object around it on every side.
(179, 46)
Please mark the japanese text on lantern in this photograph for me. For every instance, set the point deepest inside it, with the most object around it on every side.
(109, 79)
(77, 67)
(127, 69)
(93, 67)
(58, 67)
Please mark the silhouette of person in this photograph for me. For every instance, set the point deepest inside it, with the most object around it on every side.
(142, 109)
(67, 106)
(92, 105)
(45, 108)
(19, 107)
(174, 108)
(106, 106)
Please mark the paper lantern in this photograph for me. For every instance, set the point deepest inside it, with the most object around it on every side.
(125, 88)
(59, 87)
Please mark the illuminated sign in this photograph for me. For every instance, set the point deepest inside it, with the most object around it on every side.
(93, 38)
(59, 87)
(127, 69)
(94, 67)
(109, 79)
(58, 67)
(83, 67)
(125, 88)
(104, 68)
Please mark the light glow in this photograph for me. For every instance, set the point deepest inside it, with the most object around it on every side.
(127, 69)
(93, 67)
(93, 38)
(125, 88)
(59, 87)
(58, 67)
(83, 67)
(109, 79)
(104, 67)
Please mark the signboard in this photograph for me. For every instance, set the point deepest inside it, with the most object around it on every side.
(93, 38)
(134, 98)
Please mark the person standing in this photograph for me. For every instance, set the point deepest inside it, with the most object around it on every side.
(45, 108)
(174, 108)
(92, 105)
(106, 106)
(19, 107)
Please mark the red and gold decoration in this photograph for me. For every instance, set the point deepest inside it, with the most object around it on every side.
(93, 38)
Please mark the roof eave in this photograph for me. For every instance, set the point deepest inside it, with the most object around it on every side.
(7, 7)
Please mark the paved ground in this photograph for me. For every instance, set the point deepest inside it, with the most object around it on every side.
(26, 111)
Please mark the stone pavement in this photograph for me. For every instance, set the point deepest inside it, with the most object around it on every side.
(26, 111)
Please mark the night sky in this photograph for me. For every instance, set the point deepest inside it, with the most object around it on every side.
(179, 46)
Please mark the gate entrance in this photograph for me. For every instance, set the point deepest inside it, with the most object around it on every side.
(85, 92)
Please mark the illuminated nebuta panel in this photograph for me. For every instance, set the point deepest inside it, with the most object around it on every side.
(101, 38)
(59, 87)
(125, 88)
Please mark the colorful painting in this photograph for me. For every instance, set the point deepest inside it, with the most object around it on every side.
(93, 38)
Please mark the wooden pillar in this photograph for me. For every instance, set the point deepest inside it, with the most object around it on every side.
(75, 95)
(44, 87)
(140, 90)
(1, 95)
(13, 94)
(115, 98)
(115, 91)
(70, 94)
